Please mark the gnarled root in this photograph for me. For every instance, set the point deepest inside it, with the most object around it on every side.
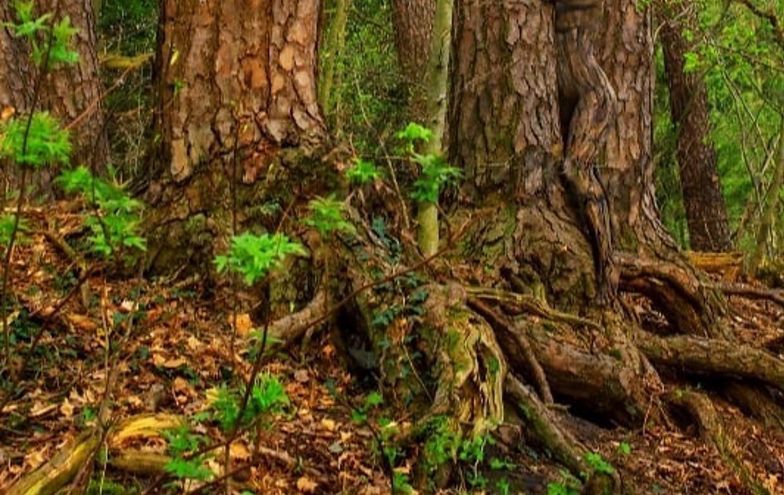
(713, 357)
(689, 305)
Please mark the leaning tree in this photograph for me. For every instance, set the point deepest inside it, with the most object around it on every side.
(550, 122)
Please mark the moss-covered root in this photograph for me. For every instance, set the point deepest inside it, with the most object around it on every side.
(61, 469)
(711, 430)
(543, 426)
(471, 364)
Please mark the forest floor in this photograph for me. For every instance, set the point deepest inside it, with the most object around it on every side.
(175, 350)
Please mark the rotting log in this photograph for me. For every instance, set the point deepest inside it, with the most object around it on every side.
(56, 474)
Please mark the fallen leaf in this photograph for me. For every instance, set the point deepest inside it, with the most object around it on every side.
(306, 485)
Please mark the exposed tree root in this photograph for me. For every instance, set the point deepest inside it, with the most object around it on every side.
(534, 368)
(690, 306)
(757, 403)
(544, 427)
(711, 430)
(612, 383)
(714, 357)
(61, 469)
(775, 296)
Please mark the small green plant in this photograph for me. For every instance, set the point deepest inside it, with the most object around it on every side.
(372, 401)
(442, 443)
(181, 443)
(624, 448)
(363, 172)
(7, 223)
(434, 175)
(254, 256)
(56, 47)
(598, 464)
(115, 221)
(44, 143)
(328, 216)
(267, 397)
(561, 489)
(503, 486)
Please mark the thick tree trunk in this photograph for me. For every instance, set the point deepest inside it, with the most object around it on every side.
(655, 266)
(706, 211)
(237, 96)
(72, 93)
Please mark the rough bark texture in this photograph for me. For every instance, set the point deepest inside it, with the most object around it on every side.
(628, 174)
(706, 211)
(413, 24)
(72, 93)
(233, 81)
(503, 70)
(75, 93)
(14, 81)
(238, 110)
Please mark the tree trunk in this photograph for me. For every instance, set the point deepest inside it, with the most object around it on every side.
(237, 95)
(652, 263)
(413, 23)
(706, 211)
(330, 51)
(72, 93)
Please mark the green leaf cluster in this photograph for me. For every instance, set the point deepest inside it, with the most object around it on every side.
(267, 396)
(436, 173)
(35, 141)
(363, 172)
(328, 216)
(115, 224)
(254, 256)
(7, 223)
(51, 41)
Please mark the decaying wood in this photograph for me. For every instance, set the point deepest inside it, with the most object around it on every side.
(61, 470)
(729, 265)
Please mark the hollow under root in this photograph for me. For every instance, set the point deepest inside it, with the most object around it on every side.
(677, 290)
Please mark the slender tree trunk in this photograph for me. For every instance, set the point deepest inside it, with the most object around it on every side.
(706, 211)
(237, 94)
(413, 23)
(772, 202)
(331, 51)
(72, 93)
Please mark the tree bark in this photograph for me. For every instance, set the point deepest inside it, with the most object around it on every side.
(72, 93)
(237, 94)
(413, 23)
(706, 211)
(628, 174)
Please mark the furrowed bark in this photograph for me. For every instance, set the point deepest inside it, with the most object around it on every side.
(706, 211)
